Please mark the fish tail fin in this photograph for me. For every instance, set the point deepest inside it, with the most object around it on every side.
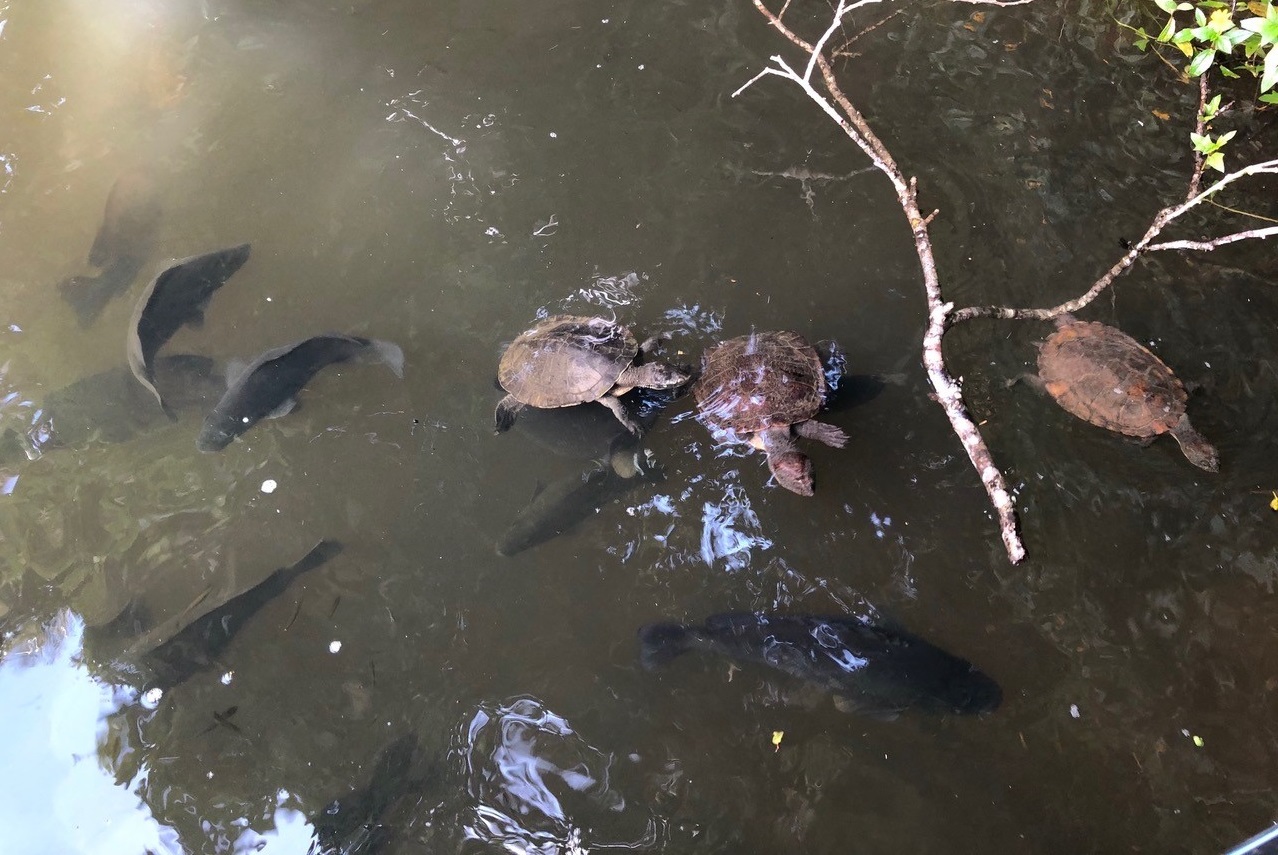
(320, 553)
(661, 642)
(391, 354)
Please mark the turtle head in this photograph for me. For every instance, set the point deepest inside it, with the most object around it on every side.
(660, 375)
(1197, 449)
(793, 470)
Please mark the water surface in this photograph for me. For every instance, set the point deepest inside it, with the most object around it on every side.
(439, 175)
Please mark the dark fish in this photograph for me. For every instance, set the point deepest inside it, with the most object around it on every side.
(197, 646)
(352, 823)
(867, 668)
(178, 296)
(124, 242)
(266, 388)
(568, 501)
(112, 407)
(89, 295)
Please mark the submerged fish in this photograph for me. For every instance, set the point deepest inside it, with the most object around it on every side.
(869, 669)
(352, 823)
(176, 297)
(123, 243)
(111, 407)
(267, 387)
(566, 502)
(198, 645)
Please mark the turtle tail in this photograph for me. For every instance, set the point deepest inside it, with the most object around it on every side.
(1197, 449)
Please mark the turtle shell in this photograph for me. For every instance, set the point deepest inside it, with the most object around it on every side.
(1106, 377)
(566, 360)
(758, 381)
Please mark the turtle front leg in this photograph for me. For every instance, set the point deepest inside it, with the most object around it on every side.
(507, 411)
(821, 432)
(613, 403)
(652, 343)
(791, 467)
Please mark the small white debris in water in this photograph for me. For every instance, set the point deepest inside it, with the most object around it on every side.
(269, 485)
(227, 678)
(14, 328)
(641, 66)
(245, 420)
(604, 21)
(1073, 710)
(210, 776)
(554, 136)
(334, 646)
(268, 299)
(151, 697)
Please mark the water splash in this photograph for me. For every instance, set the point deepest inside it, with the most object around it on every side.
(528, 773)
(730, 530)
(611, 291)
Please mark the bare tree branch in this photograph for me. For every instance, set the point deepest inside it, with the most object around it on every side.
(1209, 245)
(948, 393)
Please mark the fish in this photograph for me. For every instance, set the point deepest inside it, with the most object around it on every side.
(197, 646)
(566, 502)
(110, 407)
(267, 387)
(352, 823)
(874, 670)
(173, 299)
(123, 243)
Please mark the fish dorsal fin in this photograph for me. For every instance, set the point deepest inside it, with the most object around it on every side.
(235, 370)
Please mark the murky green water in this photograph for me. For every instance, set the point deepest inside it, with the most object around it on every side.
(441, 174)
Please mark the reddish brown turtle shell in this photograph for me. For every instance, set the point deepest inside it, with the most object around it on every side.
(1104, 376)
(760, 381)
(566, 360)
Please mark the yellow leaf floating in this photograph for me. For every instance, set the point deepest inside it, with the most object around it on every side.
(1161, 115)
(1256, 7)
(777, 735)
(1273, 503)
(1185, 48)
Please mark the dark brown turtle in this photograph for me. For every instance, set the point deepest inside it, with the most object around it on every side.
(1106, 377)
(567, 360)
(765, 388)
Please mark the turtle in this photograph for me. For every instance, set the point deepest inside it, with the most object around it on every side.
(567, 360)
(765, 388)
(1104, 376)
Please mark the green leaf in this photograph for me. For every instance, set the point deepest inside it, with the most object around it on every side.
(1228, 73)
(1215, 161)
(1141, 44)
(1201, 62)
(1266, 27)
(1271, 71)
(1202, 144)
(1271, 98)
(1167, 6)
(1200, 18)
(1168, 30)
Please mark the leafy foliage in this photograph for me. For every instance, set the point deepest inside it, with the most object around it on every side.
(1206, 32)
